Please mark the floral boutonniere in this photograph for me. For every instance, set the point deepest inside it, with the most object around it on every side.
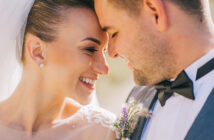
(125, 124)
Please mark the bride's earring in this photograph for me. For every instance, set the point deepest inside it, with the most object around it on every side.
(42, 65)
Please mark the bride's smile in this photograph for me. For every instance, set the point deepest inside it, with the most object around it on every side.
(75, 59)
(88, 82)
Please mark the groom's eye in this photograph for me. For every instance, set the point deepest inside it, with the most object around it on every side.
(114, 34)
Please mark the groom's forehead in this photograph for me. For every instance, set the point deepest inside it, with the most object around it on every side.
(104, 12)
(100, 5)
(131, 6)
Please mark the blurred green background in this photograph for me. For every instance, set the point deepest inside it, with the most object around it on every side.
(113, 89)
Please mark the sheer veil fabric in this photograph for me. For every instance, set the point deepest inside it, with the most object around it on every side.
(13, 17)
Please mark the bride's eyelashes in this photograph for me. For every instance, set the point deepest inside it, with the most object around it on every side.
(90, 50)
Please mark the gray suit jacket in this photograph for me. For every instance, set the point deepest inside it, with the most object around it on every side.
(202, 128)
(147, 96)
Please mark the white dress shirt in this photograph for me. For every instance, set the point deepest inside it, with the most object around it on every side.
(175, 118)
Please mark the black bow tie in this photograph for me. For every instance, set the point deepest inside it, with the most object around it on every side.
(182, 85)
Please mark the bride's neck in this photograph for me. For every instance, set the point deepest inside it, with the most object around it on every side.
(32, 105)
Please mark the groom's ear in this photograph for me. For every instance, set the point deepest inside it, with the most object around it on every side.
(158, 11)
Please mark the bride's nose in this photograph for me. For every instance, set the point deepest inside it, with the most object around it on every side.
(100, 65)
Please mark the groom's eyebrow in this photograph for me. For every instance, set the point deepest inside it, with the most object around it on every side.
(93, 40)
(105, 29)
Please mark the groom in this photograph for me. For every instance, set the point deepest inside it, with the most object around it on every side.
(169, 46)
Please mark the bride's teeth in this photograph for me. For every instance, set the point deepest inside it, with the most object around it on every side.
(88, 81)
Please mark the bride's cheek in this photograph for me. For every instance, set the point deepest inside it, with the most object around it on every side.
(86, 60)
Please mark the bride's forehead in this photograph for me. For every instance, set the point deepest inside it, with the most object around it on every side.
(80, 16)
(81, 21)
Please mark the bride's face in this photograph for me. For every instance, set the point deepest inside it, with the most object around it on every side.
(75, 59)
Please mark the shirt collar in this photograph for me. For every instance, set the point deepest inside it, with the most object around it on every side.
(191, 70)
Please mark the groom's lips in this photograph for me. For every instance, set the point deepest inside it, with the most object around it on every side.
(130, 66)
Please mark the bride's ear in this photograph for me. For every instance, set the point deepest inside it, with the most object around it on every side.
(35, 49)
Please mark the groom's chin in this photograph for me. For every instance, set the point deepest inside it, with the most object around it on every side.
(141, 80)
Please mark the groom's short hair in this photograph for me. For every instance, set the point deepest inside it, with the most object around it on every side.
(190, 6)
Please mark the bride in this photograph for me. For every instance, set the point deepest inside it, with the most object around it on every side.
(59, 46)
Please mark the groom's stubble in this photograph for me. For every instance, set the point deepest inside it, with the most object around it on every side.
(148, 51)
(159, 60)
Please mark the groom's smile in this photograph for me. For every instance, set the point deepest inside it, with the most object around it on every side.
(141, 37)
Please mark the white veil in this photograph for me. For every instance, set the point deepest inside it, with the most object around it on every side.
(13, 17)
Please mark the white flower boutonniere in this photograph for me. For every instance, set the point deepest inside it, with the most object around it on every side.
(125, 124)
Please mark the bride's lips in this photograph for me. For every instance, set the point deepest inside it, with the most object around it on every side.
(88, 82)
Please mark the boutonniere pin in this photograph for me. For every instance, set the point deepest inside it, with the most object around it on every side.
(125, 124)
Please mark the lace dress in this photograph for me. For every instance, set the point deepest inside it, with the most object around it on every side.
(88, 123)
(91, 122)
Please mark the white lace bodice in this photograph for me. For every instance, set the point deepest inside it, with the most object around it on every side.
(91, 114)
(89, 122)
(97, 115)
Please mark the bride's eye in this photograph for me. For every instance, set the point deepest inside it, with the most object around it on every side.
(91, 49)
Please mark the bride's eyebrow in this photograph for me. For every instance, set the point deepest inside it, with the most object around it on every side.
(93, 40)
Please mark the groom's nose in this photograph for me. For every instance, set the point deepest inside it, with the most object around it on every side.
(111, 51)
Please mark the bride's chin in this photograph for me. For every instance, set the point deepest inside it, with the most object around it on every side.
(83, 94)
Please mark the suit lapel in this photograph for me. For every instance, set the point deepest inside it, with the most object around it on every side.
(148, 102)
(138, 129)
(203, 125)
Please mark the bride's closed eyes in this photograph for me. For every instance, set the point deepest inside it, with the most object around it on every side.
(91, 49)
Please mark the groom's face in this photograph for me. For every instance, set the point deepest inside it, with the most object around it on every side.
(136, 39)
